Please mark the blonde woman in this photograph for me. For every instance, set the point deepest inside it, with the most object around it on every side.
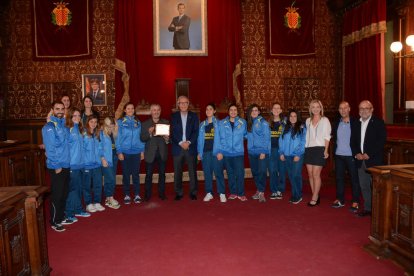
(316, 148)
(109, 161)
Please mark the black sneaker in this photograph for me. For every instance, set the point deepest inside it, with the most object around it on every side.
(67, 221)
(273, 196)
(354, 208)
(279, 195)
(296, 201)
(137, 199)
(58, 227)
(337, 204)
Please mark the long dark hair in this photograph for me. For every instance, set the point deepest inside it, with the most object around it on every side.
(69, 123)
(95, 132)
(297, 127)
(249, 116)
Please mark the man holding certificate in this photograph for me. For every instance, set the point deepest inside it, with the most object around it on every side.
(155, 133)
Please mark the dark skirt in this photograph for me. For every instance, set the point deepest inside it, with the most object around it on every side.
(315, 156)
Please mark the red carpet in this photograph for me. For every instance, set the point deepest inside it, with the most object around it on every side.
(233, 238)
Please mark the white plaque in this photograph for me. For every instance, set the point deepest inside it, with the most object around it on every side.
(162, 130)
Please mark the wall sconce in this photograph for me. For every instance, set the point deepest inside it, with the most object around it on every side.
(397, 46)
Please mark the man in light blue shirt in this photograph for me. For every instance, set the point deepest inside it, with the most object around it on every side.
(341, 132)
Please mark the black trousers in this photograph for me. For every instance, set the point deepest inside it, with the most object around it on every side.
(179, 160)
(161, 176)
(59, 187)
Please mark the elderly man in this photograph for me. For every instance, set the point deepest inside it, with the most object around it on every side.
(344, 160)
(184, 134)
(156, 151)
(367, 143)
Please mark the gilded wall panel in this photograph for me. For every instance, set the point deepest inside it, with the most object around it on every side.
(30, 86)
(267, 80)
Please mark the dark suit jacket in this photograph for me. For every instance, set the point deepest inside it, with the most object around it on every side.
(191, 132)
(334, 133)
(181, 38)
(153, 143)
(374, 142)
(99, 99)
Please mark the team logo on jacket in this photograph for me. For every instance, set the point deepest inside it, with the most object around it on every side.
(61, 15)
(292, 18)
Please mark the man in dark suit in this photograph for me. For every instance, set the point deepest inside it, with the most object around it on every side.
(180, 26)
(367, 142)
(184, 134)
(95, 93)
(156, 151)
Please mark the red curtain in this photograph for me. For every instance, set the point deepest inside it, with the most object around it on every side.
(363, 42)
(152, 78)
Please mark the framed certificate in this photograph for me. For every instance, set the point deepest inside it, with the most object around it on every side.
(162, 130)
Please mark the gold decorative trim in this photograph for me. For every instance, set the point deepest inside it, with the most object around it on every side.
(365, 32)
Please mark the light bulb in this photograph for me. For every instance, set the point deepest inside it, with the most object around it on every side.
(410, 40)
(396, 47)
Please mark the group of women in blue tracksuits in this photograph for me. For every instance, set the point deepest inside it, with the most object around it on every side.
(91, 154)
(276, 145)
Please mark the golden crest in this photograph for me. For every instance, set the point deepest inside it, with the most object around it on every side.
(61, 15)
(292, 17)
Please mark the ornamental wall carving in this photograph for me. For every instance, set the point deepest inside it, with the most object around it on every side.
(293, 83)
(28, 86)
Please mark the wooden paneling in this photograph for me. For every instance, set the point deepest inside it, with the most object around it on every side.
(399, 151)
(392, 223)
(23, 242)
(22, 165)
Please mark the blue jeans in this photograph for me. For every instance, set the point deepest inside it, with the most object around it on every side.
(259, 170)
(73, 201)
(235, 173)
(94, 176)
(130, 166)
(276, 172)
(109, 181)
(212, 165)
(294, 171)
(343, 163)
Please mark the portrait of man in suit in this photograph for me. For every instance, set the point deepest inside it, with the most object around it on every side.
(180, 25)
(94, 87)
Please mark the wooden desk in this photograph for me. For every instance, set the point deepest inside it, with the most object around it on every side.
(392, 222)
(25, 206)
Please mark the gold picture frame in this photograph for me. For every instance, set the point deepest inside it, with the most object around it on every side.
(91, 81)
(180, 27)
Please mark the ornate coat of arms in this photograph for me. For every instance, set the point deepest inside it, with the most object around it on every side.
(292, 18)
(61, 15)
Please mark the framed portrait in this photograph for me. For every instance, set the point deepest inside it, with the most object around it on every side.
(180, 27)
(94, 86)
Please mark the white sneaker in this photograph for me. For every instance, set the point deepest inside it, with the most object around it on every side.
(223, 198)
(114, 204)
(91, 208)
(99, 207)
(208, 197)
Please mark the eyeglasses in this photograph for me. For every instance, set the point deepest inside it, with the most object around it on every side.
(364, 108)
(183, 103)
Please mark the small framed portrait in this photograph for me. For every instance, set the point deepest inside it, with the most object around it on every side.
(180, 27)
(94, 86)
